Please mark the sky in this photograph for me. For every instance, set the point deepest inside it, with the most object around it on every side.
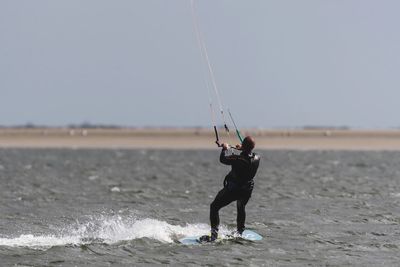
(277, 63)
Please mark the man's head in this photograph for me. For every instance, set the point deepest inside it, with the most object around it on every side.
(248, 144)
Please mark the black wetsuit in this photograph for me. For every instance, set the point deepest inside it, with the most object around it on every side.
(238, 186)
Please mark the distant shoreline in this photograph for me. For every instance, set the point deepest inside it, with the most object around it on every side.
(197, 138)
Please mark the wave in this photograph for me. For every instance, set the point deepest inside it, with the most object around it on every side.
(109, 230)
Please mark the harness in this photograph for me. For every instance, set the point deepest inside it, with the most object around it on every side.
(233, 182)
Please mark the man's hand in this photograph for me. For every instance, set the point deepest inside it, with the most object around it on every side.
(225, 146)
(239, 147)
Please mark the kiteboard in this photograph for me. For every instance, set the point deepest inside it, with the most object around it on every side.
(246, 235)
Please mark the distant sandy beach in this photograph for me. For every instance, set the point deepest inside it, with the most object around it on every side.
(171, 138)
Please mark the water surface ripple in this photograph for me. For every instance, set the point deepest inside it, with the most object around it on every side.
(62, 207)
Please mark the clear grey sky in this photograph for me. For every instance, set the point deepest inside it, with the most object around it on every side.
(278, 63)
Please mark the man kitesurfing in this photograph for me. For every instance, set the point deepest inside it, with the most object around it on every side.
(238, 185)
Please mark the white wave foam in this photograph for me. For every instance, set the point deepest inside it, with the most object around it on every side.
(38, 241)
(109, 230)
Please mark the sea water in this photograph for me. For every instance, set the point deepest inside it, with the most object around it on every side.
(65, 207)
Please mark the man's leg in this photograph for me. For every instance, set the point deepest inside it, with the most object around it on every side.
(223, 198)
(241, 211)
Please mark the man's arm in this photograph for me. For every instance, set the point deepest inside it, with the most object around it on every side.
(223, 158)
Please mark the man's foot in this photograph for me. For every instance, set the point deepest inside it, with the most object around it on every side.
(237, 233)
(205, 239)
(209, 238)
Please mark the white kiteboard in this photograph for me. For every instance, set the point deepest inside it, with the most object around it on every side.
(246, 235)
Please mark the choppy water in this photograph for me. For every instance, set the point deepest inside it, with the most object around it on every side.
(128, 207)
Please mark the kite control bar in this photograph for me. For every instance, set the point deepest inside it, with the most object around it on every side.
(217, 139)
